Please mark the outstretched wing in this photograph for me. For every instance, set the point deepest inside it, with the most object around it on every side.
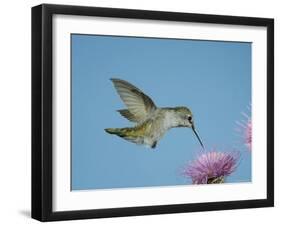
(128, 115)
(139, 104)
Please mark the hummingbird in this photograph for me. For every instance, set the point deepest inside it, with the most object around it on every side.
(151, 122)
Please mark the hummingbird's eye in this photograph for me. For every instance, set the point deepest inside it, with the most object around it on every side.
(189, 118)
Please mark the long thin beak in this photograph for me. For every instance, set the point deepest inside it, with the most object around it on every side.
(196, 134)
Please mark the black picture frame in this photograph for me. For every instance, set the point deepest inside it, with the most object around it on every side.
(42, 111)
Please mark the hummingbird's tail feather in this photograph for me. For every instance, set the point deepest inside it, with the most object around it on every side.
(123, 132)
(112, 131)
(126, 133)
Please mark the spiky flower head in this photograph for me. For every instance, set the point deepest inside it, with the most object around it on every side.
(212, 167)
(245, 129)
(248, 134)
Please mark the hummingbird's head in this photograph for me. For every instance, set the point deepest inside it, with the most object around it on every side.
(185, 119)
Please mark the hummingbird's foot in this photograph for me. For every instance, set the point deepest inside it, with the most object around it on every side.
(154, 144)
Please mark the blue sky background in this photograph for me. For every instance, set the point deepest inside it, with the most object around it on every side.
(212, 78)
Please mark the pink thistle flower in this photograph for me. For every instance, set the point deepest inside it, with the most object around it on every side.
(246, 130)
(248, 134)
(212, 167)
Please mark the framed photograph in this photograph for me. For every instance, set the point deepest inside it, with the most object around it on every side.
(145, 112)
